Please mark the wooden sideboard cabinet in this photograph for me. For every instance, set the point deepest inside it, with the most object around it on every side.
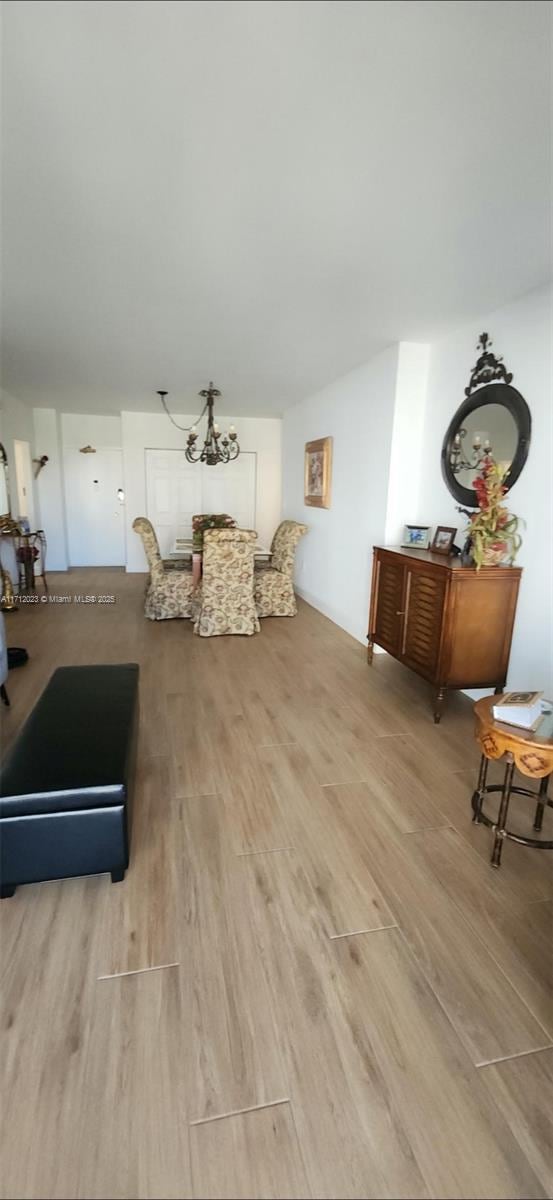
(451, 624)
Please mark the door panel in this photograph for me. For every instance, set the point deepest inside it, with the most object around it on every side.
(95, 516)
(176, 489)
(389, 618)
(423, 621)
(173, 495)
(230, 488)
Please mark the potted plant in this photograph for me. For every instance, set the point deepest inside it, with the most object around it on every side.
(492, 529)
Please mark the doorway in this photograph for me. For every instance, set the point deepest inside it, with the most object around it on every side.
(24, 482)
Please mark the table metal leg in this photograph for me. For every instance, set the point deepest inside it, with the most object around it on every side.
(499, 829)
(478, 795)
(540, 806)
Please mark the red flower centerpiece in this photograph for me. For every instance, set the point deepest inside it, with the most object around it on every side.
(493, 530)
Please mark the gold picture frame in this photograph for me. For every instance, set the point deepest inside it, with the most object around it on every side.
(318, 472)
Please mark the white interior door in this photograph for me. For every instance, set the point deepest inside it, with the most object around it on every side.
(24, 482)
(95, 515)
(173, 495)
(230, 488)
(176, 489)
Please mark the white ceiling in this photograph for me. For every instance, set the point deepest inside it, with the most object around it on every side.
(259, 193)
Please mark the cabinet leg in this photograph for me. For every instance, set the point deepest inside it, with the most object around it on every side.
(499, 689)
(499, 829)
(439, 704)
(540, 806)
(370, 649)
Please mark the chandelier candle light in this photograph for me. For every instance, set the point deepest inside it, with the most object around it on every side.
(459, 459)
(217, 447)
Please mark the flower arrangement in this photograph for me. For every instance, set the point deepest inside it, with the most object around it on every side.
(492, 529)
(203, 521)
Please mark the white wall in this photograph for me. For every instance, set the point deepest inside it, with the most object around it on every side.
(407, 438)
(49, 487)
(154, 430)
(333, 561)
(388, 420)
(16, 424)
(522, 333)
(81, 429)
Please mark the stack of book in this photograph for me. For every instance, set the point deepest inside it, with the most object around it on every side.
(523, 709)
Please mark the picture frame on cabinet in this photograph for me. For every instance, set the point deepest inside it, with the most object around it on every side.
(444, 537)
(416, 537)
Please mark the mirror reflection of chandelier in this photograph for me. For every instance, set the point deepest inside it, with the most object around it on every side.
(218, 447)
(463, 460)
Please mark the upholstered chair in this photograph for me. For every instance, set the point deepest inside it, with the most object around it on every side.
(3, 661)
(169, 590)
(274, 583)
(224, 602)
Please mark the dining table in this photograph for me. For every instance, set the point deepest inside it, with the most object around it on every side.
(183, 548)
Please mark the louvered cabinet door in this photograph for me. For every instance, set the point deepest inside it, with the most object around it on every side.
(422, 628)
(389, 605)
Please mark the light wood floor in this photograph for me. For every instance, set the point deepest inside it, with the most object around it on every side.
(311, 982)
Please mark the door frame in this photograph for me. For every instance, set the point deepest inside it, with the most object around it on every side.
(23, 466)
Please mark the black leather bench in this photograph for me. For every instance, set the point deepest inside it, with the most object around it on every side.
(66, 785)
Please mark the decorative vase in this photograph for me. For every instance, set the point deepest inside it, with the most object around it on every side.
(494, 555)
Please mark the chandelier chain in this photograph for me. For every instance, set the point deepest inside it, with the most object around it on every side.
(183, 428)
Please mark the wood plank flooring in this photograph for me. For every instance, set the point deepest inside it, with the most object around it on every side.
(311, 983)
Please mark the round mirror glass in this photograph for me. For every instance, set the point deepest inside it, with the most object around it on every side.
(490, 429)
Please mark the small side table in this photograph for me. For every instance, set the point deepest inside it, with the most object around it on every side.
(532, 753)
(30, 550)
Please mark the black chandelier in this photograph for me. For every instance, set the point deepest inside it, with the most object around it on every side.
(217, 447)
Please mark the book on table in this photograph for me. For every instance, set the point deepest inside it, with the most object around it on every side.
(523, 709)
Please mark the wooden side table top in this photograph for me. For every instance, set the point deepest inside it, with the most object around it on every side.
(531, 750)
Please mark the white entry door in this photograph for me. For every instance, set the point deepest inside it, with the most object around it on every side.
(176, 490)
(95, 514)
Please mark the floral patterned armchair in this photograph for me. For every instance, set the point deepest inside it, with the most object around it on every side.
(169, 590)
(274, 584)
(224, 602)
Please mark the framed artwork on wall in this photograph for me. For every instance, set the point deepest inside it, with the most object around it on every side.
(318, 472)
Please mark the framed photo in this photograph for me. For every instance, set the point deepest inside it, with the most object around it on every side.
(443, 540)
(416, 537)
(317, 472)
